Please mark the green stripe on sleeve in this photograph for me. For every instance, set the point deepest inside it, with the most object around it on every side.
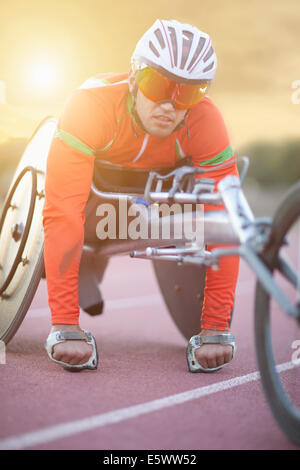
(179, 152)
(220, 158)
(105, 82)
(74, 142)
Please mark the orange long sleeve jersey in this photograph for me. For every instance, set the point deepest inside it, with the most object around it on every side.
(97, 122)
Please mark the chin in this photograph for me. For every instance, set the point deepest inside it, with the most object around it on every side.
(158, 132)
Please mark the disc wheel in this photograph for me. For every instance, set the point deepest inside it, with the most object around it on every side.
(182, 288)
(277, 334)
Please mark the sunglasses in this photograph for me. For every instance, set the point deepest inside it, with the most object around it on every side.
(156, 87)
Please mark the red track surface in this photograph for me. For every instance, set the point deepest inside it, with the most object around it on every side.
(142, 359)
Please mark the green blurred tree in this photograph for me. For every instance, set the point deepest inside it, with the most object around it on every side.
(275, 164)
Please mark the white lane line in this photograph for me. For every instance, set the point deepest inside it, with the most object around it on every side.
(61, 431)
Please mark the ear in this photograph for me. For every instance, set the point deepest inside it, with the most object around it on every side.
(131, 82)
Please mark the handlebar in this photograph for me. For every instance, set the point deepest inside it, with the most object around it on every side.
(185, 176)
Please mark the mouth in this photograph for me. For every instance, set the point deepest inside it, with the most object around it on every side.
(163, 120)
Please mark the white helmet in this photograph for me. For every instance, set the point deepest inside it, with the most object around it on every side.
(180, 51)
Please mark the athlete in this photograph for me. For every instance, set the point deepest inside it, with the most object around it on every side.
(151, 117)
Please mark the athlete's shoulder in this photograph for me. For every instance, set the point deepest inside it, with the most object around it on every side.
(104, 80)
(100, 96)
(208, 133)
(206, 108)
(206, 115)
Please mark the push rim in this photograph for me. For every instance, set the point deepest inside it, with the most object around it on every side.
(25, 233)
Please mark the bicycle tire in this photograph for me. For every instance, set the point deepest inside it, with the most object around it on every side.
(284, 412)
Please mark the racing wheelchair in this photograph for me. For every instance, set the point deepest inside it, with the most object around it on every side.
(271, 248)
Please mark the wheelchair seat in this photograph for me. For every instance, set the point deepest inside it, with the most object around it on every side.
(114, 178)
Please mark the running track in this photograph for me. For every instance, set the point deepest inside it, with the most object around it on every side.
(142, 395)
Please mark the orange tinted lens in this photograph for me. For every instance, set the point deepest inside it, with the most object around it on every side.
(157, 87)
(190, 95)
(152, 84)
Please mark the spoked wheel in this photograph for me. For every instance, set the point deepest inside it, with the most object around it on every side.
(21, 233)
(277, 334)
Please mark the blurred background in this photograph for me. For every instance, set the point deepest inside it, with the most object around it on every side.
(49, 48)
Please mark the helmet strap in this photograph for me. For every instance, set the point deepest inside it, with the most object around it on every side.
(134, 113)
(183, 123)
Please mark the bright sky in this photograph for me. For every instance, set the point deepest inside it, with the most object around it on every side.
(49, 47)
(2, 92)
(43, 75)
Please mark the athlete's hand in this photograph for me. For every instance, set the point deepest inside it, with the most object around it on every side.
(213, 355)
(72, 351)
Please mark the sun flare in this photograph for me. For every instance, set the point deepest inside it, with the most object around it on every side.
(43, 76)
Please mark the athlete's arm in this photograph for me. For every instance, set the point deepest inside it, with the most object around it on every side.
(68, 181)
(210, 148)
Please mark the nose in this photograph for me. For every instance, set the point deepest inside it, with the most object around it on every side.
(168, 105)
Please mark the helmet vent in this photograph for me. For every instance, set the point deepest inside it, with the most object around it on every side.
(160, 38)
(174, 44)
(209, 67)
(197, 52)
(209, 54)
(153, 49)
(186, 47)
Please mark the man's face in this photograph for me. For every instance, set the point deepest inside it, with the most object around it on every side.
(159, 119)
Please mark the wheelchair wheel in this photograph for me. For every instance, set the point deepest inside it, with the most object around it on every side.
(21, 232)
(277, 335)
(182, 288)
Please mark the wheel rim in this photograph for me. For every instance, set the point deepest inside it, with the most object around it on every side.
(277, 334)
(284, 332)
